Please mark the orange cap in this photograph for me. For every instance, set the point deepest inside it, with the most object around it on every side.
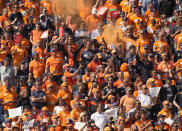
(50, 85)
(64, 84)
(110, 97)
(107, 75)
(28, 113)
(44, 108)
(66, 65)
(113, 51)
(165, 102)
(99, 55)
(180, 112)
(151, 80)
(54, 117)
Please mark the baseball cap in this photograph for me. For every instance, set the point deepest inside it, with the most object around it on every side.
(28, 113)
(99, 55)
(151, 80)
(64, 84)
(50, 85)
(165, 102)
(113, 51)
(110, 97)
(66, 65)
(8, 120)
(44, 108)
(54, 117)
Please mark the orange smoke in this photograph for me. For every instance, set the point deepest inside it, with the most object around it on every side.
(68, 7)
(110, 35)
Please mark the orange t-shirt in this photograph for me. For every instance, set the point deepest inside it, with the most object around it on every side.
(62, 94)
(41, 52)
(3, 88)
(71, 80)
(141, 42)
(141, 124)
(165, 113)
(157, 83)
(3, 19)
(36, 36)
(100, 79)
(128, 102)
(46, 83)
(178, 39)
(25, 42)
(75, 114)
(179, 65)
(136, 18)
(10, 43)
(164, 67)
(80, 101)
(124, 5)
(147, 13)
(55, 64)
(3, 53)
(19, 55)
(57, 128)
(8, 96)
(63, 116)
(37, 67)
(93, 66)
(52, 99)
(160, 43)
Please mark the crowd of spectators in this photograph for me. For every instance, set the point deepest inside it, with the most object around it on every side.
(109, 65)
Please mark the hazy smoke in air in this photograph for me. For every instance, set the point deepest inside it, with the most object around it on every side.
(65, 7)
(110, 35)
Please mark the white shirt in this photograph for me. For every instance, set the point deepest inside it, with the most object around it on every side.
(94, 34)
(57, 109)
(144, 99)
(169, 121)
(100, 119)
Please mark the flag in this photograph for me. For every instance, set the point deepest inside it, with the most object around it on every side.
(101, 10)
(44, 34)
